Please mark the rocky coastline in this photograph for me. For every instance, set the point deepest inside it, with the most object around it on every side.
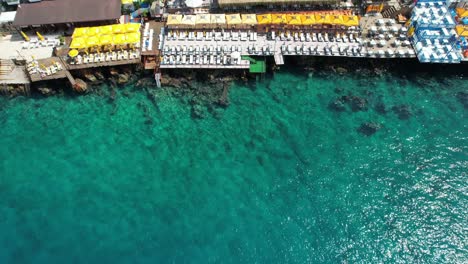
(207, 91)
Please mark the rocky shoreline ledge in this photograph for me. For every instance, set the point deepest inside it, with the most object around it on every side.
(208, 90)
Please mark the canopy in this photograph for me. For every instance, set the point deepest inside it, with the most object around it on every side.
(351, 21)
(127, 2)
(105, 30)
(78, 43)
(73, 53)
(188, 20)
(203, 19)
(294, 19)
(219, 19)
(336, 20)
(233, 19)
(249, 19)
(264, 19)
(92, 41)
(119, 39)
(278, 19)
(93, 31)
(132, 27)
(462, 12)
(118, 28)
(174, 20)
(79, 32)
(132, 38)
(308, 19)
(194, 3)
(105, 40)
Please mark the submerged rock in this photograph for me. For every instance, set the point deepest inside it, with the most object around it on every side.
(122, 78)
(369, 128)
(46, 91)
(381, 108)
(90, 77)
(358, 104)
(402, 111)
(337, 105)
(463, 99)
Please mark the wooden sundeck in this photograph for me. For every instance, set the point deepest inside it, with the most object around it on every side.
(60, 74)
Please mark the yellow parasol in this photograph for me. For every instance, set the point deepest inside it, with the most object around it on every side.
(337, 20)
(233, 19)
(462, 12)
(105, 40)
(308, 19)
(322, 18)
(218, 20)
(203, 19)
(92, 41)
(93, 31)
(188, 20)
(105, 30)
(249, 19)
(119, 39)
(174, 20)
(278, 19)
(132, 27)
(80, 32)
(462, 30)
(132, 38)
(264, 19)
(78, 43)
(294, 19)
(127, 2)
(351, 21)
(118, 29)
(73, 53)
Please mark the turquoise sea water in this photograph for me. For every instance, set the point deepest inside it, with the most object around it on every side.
(277, 177)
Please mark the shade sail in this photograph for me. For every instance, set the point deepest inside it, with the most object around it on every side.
(132, 27)
(118, 28)
(233, 19)
(119, 39)
(106, 30)
(264, 19)
(132, 38)
(188, 20)
(308, 20)
(79, 32)
(92, 41)
(173, 20)
(294, 19)
(249, 19)
(203, 19)
(105, 40)
(278, 19)
(218, 19)
(78, 43)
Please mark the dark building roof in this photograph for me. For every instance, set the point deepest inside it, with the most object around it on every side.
(66, 11)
